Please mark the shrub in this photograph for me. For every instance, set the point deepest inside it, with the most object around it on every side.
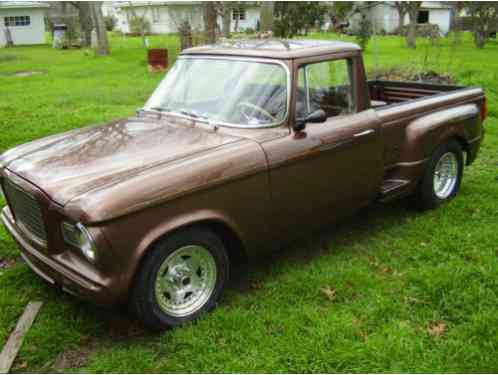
(110, 23)
(139, 25)
(364, 32)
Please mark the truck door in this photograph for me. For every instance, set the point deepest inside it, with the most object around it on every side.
(331, 168)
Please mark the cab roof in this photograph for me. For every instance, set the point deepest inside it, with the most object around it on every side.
(273, 48)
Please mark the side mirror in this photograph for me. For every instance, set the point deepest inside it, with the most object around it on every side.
(314, 117)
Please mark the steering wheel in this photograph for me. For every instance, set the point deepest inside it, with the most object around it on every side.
(244, 106)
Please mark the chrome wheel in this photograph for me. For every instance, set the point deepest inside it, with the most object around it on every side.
(445, 175)
(185, 281)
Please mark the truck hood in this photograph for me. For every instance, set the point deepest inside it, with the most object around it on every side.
(68, 165)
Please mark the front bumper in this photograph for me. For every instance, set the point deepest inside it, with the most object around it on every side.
(63, 270)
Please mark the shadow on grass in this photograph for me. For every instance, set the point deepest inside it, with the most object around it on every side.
(120, 326)
(352, 230)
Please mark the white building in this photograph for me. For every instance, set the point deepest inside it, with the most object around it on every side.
(165, 17)
(384, 16)
(24, 21)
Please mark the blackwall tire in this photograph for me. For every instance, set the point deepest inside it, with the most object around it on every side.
(183, 276)
(442, 176)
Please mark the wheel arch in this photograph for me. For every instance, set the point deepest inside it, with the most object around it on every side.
(464, 144)
(221, 226)
(426, 133)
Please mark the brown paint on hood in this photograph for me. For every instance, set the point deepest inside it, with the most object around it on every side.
(68, 165)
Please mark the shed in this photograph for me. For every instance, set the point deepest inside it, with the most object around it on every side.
(23, 22)
(384, 16)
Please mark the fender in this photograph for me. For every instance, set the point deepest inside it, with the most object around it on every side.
(125, 266)
(170, 225)
(426, 133)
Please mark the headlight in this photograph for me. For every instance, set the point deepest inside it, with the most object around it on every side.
(79, 237)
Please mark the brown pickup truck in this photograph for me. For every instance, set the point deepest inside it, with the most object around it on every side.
(243, 145)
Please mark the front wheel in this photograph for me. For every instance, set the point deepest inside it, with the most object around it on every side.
(442, 176)
(183, 276)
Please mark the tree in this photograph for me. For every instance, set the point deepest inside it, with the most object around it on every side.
(293, 18)
(226, 17)
(98, 20)
(402, 8)
(364, 33)
(138, 24)
(339, 13)
(86, 20)
(209, 14)
(8, 37)
(484, 16)
(185, 32)
(267, 8)
(411, 36)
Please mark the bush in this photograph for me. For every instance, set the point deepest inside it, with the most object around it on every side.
(427, 30)
(249, 31)
(110, 23)
(139, 25)
(364, 33)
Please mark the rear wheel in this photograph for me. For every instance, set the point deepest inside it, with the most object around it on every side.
(442, 176)
(182, 277)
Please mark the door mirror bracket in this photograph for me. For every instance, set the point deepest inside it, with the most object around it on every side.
(316, 116)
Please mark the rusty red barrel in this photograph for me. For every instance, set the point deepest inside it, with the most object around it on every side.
(157, 59)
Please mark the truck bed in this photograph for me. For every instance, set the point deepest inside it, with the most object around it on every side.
(393, 92)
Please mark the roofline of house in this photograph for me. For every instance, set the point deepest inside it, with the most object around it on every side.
(22, 6)
(439, 5)
(155, 3)
(166, 3)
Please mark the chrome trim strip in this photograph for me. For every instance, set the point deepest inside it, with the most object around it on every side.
(37, 270)
(58, 268)
(18, 222)
(363, 133)
(411, 163)
(473, 140)
(226, 124)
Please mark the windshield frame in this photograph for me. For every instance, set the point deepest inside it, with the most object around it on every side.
(227, 124)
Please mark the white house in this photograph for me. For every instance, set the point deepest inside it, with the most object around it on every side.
(384, 16)
(24, 21)
(165, 17)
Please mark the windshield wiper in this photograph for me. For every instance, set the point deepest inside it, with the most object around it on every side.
(192, 114)
(181, 111)
(159, 109)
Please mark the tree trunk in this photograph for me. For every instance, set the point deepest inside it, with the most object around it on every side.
(98, 20)
(267, 15)
(86, 21)
(210, 14)
(8, 38)
(185, 31)
(479, 39)
(411, 38)
(401, 7)
(401, 20)
(227, 19)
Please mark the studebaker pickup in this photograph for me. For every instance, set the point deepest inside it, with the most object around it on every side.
(243, 145)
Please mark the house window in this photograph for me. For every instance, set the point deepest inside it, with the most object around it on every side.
(156, 15)
(16, 21)
(239, 14)
(423, 16)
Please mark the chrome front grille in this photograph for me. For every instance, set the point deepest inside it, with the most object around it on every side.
(26, 210)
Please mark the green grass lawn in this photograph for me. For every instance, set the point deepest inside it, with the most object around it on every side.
(392, 290)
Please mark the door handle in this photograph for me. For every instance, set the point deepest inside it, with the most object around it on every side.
(364, 133)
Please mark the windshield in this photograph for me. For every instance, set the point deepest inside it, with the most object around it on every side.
(241, 93)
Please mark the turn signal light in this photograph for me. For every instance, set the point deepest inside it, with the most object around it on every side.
(484, 110)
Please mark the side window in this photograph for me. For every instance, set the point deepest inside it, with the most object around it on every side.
(325, 85)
